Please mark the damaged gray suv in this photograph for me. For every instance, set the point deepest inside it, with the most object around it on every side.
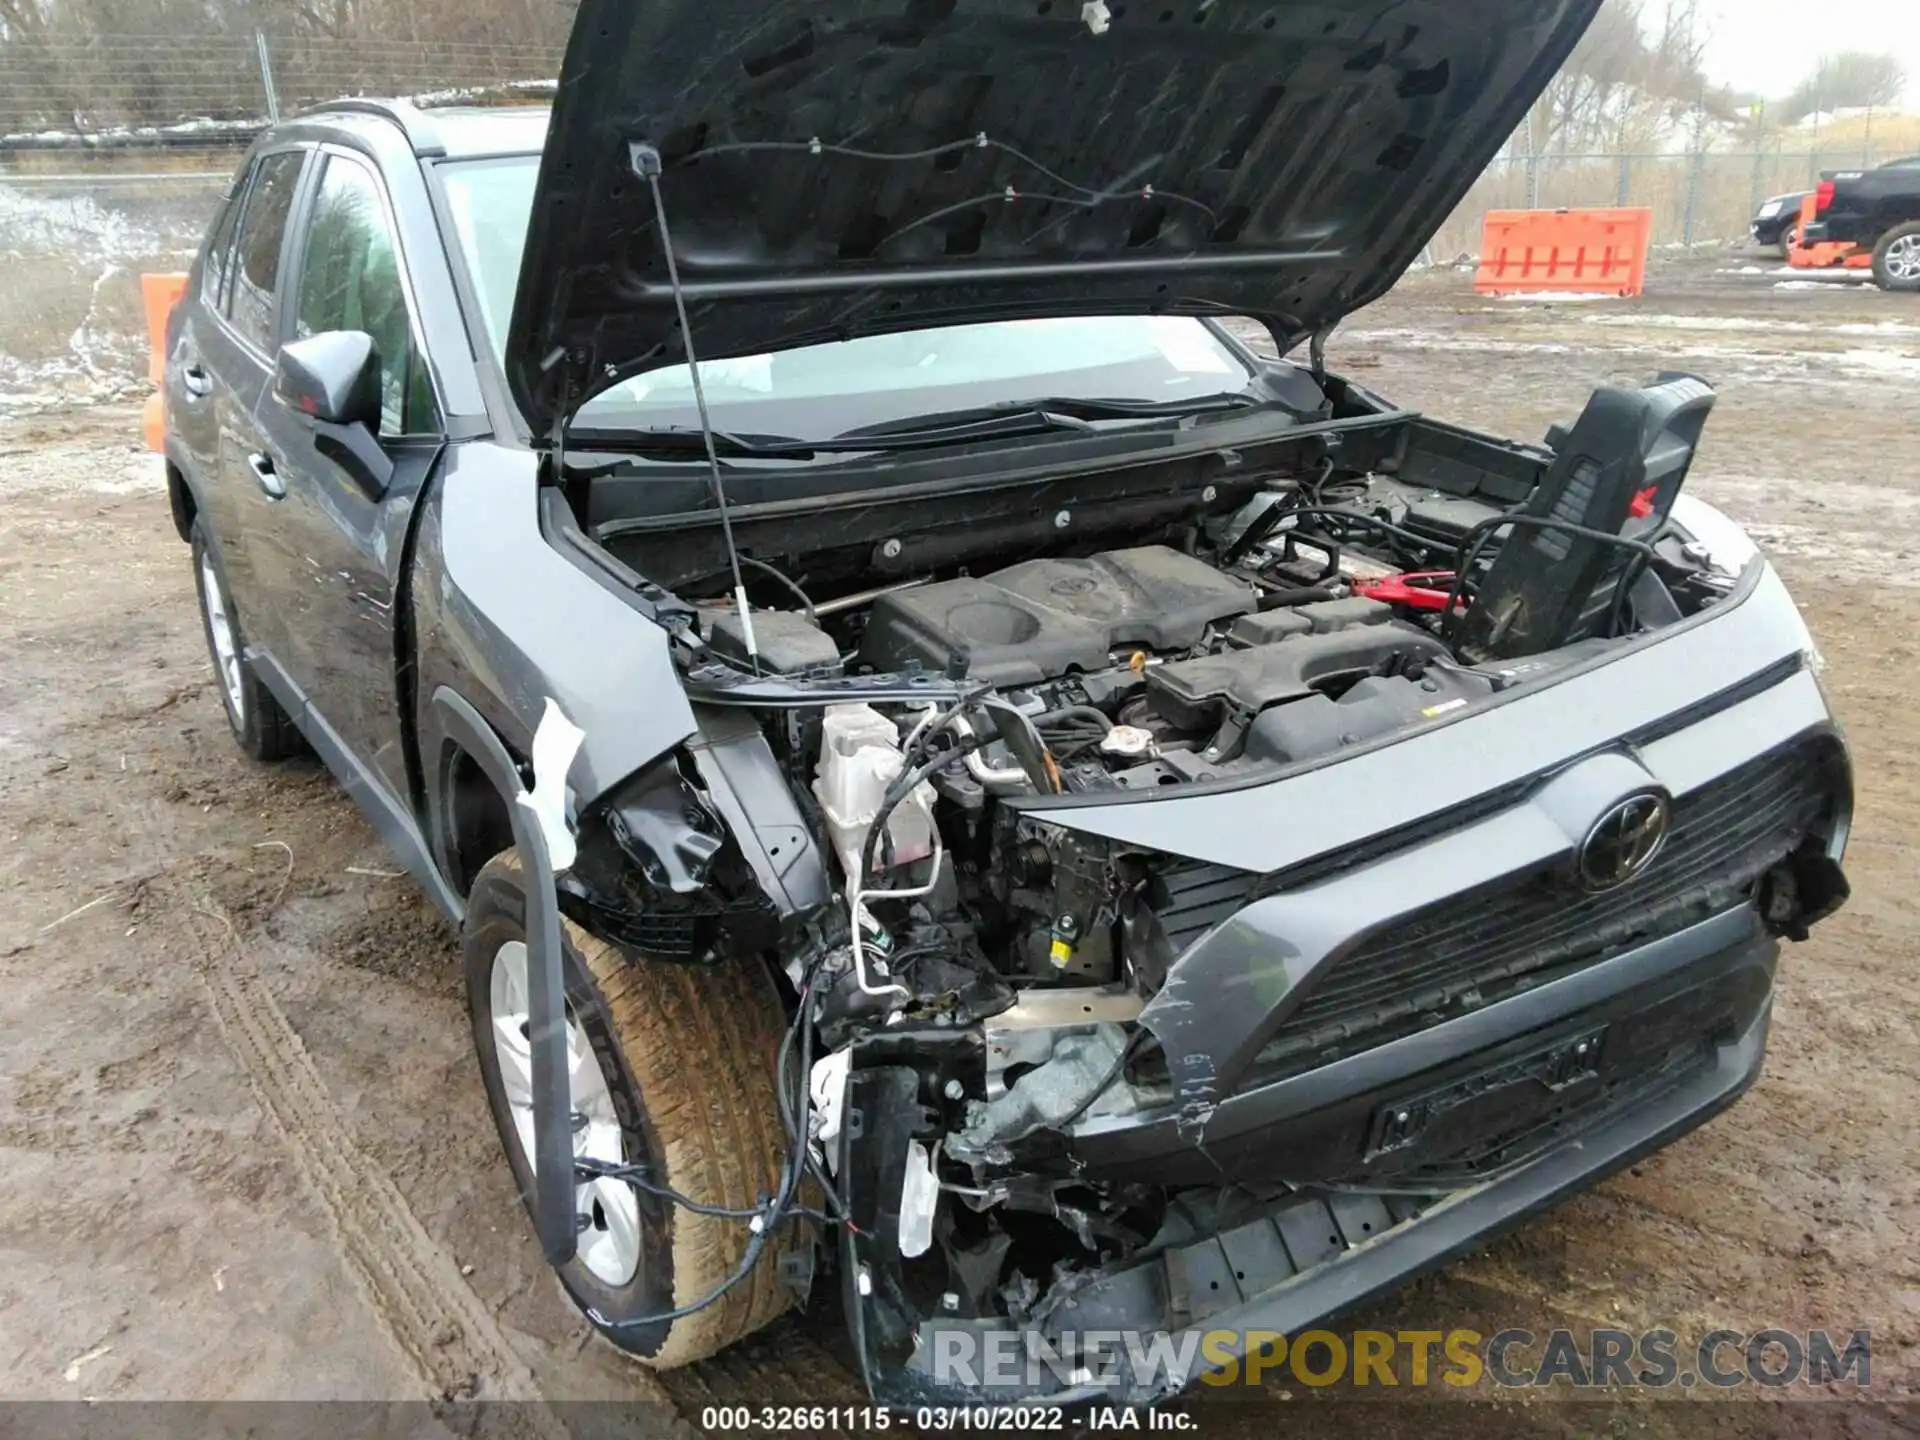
(958, 778)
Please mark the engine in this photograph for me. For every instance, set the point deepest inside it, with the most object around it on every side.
(1148, 666)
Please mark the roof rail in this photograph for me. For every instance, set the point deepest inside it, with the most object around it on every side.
(404, 113)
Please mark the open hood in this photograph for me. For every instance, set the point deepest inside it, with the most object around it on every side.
(836, 168)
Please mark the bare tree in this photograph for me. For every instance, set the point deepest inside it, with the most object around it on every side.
(1633, 75)
(1854, 79)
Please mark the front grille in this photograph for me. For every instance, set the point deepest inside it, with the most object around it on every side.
(1468, 951)
(1199, 897)
(1471, 950)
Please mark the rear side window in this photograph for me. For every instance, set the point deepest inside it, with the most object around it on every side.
(256, 251)
(350, 280)
(213, 276)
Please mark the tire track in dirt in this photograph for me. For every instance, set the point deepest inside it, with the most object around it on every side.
(783, 1364)
(412, 1285)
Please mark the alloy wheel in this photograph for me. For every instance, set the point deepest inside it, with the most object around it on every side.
(608, 1210)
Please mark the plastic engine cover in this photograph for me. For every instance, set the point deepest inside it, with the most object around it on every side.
(1044, 618)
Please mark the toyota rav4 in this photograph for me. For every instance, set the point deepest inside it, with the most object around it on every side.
(955, 771)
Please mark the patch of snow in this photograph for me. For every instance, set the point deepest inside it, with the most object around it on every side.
(1554, 297)
(1887, 329)
(464, 93)
(1690, 322)
(1880, 362)
(98, 248)
(112, 136)
(91, 467)
(143, 474)
(1878, 327)
(1833, 275)
(73, 226)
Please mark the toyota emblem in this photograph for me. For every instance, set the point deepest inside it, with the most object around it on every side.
(1624, 841)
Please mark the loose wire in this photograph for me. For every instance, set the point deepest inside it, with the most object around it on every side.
(1475, 541)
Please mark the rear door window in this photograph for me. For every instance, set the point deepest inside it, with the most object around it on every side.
(256, 252)
(350, 280)
(213, 275)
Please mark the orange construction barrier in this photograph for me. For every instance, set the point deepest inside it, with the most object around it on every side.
(159, 293)
(1825, 256)
(1594, 252)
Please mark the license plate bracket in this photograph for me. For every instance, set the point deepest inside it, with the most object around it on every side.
(1491, 1100)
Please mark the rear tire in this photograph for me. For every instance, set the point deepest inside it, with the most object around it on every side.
(1896, 260)
(686, 1058)
(263, 729)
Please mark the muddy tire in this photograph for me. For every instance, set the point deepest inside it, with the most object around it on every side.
(263, 729)
(686, 1056)
(1896, 260)
(1789, 240)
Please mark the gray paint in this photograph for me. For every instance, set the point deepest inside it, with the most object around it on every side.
(517, 621)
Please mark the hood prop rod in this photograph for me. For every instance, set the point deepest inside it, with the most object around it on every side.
(648, 165)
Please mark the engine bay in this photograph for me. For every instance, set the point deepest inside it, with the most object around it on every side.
(982, 969)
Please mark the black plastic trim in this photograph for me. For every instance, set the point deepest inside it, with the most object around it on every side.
(553, 1187)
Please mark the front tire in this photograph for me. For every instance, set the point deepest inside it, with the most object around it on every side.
(261, 727)
(1789, 240)
(671, 1066)
(1896, 260)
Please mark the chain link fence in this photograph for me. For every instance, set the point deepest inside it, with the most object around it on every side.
(1703, 197)
(115, 152)
(163, 91)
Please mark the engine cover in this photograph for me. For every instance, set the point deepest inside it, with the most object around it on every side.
(1195, 694)
(1045, 618)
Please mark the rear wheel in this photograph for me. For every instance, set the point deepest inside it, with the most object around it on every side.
(670, 1066)
(1896, 259)
(262, 727)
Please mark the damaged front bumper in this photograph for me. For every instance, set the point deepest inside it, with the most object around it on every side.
(1329, 1131)
(1677, 1031)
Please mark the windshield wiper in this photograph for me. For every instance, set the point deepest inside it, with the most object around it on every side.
(1006, 421)
(913, 434)
(676, 444)
(1025, 416)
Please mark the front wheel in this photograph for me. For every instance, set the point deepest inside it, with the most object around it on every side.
(1789, 240)
(670, 1066)
(1896, 259)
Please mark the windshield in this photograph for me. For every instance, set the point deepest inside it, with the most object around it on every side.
(821, 391)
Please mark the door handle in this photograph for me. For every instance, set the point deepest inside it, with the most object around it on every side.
(195, 380)
(262, 466)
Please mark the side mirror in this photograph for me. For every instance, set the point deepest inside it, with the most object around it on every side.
(333, 379)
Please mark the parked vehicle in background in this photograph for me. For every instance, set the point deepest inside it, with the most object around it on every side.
(1777, 223)
(1874, 213)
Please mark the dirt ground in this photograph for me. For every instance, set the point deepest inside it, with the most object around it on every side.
(244, 1152)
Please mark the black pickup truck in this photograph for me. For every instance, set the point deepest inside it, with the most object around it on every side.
(1877, 210)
